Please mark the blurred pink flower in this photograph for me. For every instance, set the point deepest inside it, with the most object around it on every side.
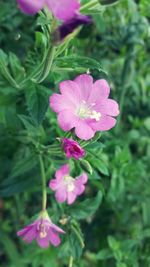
(72, 149)
(61, 9)
(85, 106)
(67, 188)
(43, 231)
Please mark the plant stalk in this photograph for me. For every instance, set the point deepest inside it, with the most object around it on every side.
(70, 262)
(43, 177)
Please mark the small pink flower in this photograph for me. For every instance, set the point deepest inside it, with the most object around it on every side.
(67, 188)
(61, 9)
(43, 231)
(85, 106)
(72, 149)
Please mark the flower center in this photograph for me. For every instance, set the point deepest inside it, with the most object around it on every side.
(42, 231)
(69, 182)
(86, 111)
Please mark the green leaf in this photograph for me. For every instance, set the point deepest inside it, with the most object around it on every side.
(85, 165)
(22, 177)
(11, 250)
(17, 70)
(37, 103)
(113, 243)
(77, 63)
(99, 165)
(40, 40)
(76, 241)
(5, 71)
(28, 124)
(86, 208)
(104, 254)
(24, 165)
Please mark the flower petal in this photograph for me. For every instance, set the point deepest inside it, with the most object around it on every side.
(59, 103)
(30, 7)
(24, 230)
(62, 171)
(71, 91)
(56, 228)
(108, 107)
(67, 120)
(80, 189)
(101, 90)
(54, 184)
(104, 124)
(79, 183)
(30, 235)
(84, 131)
(71, 197)
(82, 179)
(85, 82)
(54, 237)
(63, 9)
(43, 242)
(61, 194)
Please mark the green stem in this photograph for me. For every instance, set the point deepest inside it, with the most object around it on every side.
(43, 177)
(70, 262)
(89, 5)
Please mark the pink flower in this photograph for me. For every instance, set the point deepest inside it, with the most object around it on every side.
(43, 231)
(85, 106)
(67, 188)
(61, 9)
(72, 149)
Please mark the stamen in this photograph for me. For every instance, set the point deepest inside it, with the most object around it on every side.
(95, 115)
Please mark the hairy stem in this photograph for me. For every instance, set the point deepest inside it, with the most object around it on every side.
(43, 177)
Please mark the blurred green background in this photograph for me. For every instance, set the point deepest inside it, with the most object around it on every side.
(116, 229)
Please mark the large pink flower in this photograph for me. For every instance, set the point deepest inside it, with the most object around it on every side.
(61, 9)
(85, 106)
(43, 231)
(66, 187)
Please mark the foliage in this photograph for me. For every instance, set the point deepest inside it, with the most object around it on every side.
(114, 213)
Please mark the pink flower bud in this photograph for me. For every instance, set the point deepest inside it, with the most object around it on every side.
(72, 149)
